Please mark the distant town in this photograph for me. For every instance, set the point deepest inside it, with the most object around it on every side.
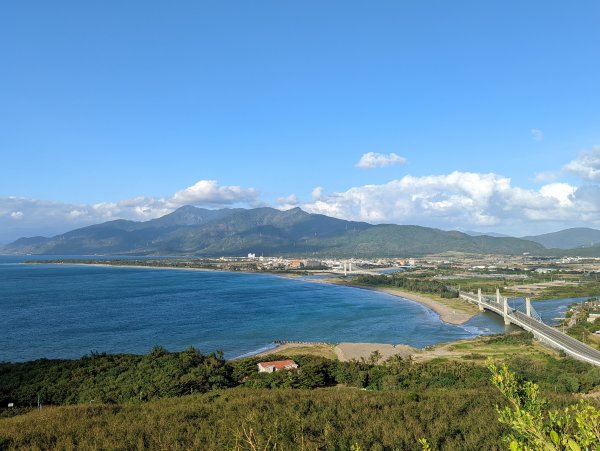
(527, 275)
(474, 265)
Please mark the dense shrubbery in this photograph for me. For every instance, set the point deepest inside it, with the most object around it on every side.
(246, 419)
(534, 426)
(408, 283)
(403, 401)
(100, 378)
(112, 378)
(518, 338)
(564, 375)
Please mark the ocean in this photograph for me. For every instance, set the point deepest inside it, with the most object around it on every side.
(66, 311)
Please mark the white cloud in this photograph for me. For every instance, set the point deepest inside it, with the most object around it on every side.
(537, 134)
(286, 203)
(208, 192)
(316, 193)
(562, 192)
(39, 217)
(586, 165)
(462, 200)
(372, 160)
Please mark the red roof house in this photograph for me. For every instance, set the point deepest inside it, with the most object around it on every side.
(271, 367)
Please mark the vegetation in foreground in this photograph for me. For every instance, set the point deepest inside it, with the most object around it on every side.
(534, 426)
(189, 400)
(242, 418)
(126, 378)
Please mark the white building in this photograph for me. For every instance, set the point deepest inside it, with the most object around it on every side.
(271, 367)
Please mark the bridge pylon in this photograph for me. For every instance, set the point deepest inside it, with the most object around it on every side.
(528, 307)
(505, 311)
(498, 296)
(479, 300)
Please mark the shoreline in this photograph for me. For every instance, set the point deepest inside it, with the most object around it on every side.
(176, 268)
(446, 314)
(343, 351)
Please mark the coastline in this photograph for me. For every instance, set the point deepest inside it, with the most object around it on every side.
(344, 351)
(446, 313)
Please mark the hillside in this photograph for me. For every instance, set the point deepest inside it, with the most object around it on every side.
(188, 400)
(581, 237)
(201, 232)
(276, 419)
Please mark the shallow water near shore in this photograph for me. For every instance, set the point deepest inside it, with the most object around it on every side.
(66, 311)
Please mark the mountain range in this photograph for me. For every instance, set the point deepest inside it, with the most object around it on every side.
(580, 237)
(268, 231)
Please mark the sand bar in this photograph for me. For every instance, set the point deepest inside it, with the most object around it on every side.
(357, 351)
(343, 351)
(447, 314)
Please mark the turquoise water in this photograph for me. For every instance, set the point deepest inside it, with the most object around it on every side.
(65, 311)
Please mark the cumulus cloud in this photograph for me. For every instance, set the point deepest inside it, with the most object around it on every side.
(458, 200)
(537, 134)
(39, 217)
(286, 203)
(461, 200)
(208, 192)
(316, 193)
(586, 165)
(373, 160)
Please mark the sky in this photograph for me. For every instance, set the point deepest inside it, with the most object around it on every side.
(460, 115)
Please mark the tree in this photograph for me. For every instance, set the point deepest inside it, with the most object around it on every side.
(533, 427)
(374, 357)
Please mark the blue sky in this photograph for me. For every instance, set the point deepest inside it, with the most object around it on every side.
(109, 109)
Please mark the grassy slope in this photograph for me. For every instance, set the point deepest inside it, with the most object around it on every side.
(478, 350)
(456, 417)
(326, 419)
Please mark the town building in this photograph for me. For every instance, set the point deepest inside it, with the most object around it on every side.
(278, 365)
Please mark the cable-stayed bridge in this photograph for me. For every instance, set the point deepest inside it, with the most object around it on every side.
(528, 319)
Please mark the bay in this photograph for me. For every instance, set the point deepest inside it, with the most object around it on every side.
(66, 311)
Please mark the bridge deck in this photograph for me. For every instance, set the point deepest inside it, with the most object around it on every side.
(542, 331)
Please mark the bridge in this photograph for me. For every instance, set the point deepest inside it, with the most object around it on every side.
(531, 321)
(349, 268)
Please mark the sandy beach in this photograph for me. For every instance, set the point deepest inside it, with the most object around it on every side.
(447, 314)
(344, 351)
(349, 351)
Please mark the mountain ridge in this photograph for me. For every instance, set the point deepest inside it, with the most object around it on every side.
(576, 237)
(202, 232)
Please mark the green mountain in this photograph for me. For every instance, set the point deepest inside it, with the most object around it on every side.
(226, 232)
(581, 237)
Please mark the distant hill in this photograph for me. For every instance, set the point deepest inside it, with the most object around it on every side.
(494, 234)
(226, 232)
(568, 239)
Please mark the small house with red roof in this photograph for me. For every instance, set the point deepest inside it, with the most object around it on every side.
(278, 365)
